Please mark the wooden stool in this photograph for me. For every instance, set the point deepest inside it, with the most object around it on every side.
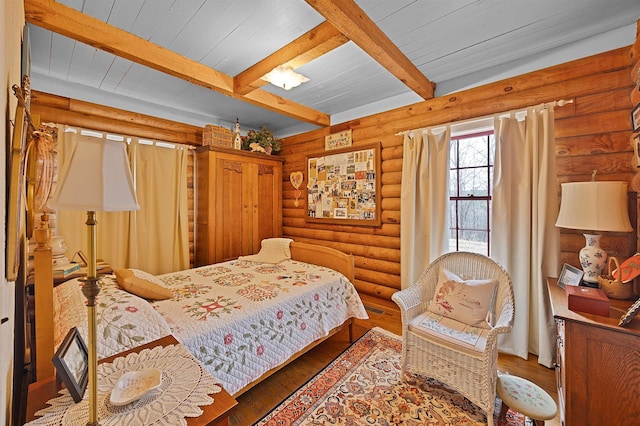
(526, 398)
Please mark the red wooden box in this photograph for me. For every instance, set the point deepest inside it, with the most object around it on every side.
(587, 299)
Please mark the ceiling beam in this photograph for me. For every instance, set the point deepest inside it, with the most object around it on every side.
(351, 21)
(311, 45)
(71, 23)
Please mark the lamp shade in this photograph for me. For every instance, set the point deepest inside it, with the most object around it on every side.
(97, 177)
(594, 206)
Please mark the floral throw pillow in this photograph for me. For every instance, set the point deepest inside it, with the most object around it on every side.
(466, 301)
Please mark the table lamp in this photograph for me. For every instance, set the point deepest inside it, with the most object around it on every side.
(594, 207)
(97, 177)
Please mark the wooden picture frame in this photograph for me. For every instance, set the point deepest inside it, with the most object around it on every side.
(635, 118)
(343, 186)
(72, 364)
(631, 313)
(570, 275)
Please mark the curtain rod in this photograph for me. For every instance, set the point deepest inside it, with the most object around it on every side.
(560, 103)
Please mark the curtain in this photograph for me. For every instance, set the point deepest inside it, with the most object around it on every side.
(526, 241)
(155, 238)
(424, 198)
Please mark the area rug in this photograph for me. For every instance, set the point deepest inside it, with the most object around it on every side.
(363, 387)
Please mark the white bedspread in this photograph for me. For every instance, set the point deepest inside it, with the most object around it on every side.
(242, 318)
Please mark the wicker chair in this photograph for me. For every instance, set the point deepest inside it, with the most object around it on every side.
(473, 374)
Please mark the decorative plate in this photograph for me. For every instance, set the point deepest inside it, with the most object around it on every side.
(134, 385)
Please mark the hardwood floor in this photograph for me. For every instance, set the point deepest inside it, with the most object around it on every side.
(258, 401)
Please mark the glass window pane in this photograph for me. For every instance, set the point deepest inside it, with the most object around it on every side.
(474, 241)
(453, 183)
(474, 182)
(473, 214)
(453, 154)
(474, 152)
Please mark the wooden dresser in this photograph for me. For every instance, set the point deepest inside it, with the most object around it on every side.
(239, 203)
(598, 366)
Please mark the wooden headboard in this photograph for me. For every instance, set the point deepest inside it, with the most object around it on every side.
(323, 256)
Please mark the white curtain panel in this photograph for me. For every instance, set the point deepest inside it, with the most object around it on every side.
(424, 221)
(525, 239)
(155, 238)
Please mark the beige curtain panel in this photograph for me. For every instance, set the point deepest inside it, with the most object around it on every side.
(155, 238)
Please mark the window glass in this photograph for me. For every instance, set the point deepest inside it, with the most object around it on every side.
(471, 177)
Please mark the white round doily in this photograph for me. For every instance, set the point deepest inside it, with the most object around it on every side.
(185, 387)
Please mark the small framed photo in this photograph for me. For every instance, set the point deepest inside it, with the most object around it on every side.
(635, 118)
(630, 314)
(72, 364)
(570, 275)
(636, 150)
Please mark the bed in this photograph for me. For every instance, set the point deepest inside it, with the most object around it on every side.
(243, 319)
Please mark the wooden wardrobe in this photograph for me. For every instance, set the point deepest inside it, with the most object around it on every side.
(239, 202)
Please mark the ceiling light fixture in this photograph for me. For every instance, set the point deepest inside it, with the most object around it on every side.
(285, 77)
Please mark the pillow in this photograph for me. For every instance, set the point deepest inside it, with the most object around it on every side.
(272, 250)
(464, 301)
(142, 284)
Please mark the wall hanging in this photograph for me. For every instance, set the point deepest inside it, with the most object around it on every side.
(343, 187)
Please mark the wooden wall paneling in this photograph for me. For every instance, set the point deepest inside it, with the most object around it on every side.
(58, 109)
(593, 132)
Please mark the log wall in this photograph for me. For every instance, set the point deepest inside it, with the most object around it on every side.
(591, 133)
(594, 132)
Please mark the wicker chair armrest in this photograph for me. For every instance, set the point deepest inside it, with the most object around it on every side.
(410, 301)
(504, 324)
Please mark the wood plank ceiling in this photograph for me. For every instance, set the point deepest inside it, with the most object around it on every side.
(155, 56)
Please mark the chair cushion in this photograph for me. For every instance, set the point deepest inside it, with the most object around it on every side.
(439, 326)
(465, 301)
(142, 284)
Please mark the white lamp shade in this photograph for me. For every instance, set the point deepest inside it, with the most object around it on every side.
(594, 206)
(97, 177)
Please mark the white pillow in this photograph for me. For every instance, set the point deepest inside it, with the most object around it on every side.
(464, 301)
(272, 250)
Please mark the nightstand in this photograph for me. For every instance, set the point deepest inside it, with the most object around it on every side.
(214, 414)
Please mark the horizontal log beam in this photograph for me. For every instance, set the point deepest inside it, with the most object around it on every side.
(311, 45)
(351, 21)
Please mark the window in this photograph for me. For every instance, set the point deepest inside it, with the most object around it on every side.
(471, 177)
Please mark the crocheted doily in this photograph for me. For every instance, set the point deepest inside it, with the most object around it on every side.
(186, 386)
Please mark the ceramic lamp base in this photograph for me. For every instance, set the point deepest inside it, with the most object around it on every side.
(593, 259)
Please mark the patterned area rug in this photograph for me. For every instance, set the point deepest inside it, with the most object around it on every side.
(363, 387)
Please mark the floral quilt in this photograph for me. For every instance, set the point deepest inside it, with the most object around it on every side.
(123, 321)
(242, 318)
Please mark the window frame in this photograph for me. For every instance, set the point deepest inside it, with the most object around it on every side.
(454, 228)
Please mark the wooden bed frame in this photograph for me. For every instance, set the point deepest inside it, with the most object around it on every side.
(43, 288)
